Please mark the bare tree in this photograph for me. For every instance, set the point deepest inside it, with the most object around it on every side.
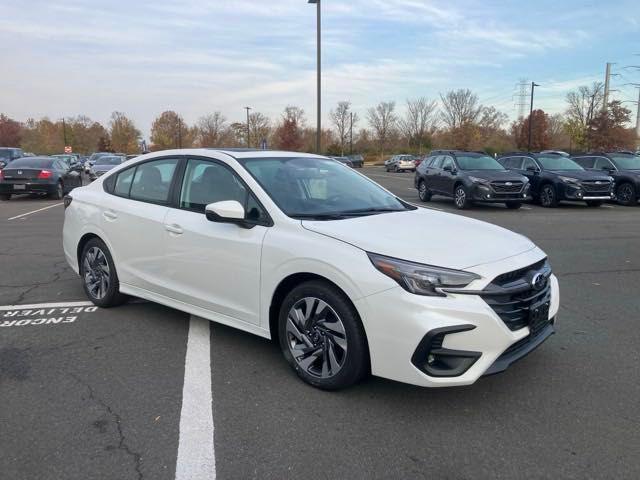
(460, 108)
(341, 119)
(383, 120)
(585, 103)
(211, 129)
(259, 127)
(419, 121)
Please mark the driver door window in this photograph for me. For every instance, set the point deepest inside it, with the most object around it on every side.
(602, 163)
(529, 162)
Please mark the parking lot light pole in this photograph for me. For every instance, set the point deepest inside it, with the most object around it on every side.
(318, 73)
(533, 86)
(247, 109)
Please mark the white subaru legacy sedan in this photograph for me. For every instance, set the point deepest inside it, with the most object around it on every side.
(349, 278)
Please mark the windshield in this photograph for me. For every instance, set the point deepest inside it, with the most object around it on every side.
(28, 162)
(479, 163)
(317, 187)
(627, 162)
(557, 162)
(109, 161)
(6, 153)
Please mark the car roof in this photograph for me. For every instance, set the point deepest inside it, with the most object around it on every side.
(238, 153)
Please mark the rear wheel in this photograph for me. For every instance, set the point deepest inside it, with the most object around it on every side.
(626, 194)
(548, 197)
(59, 191)
(513, 205)
(5, 196)
(423, 191)
(98, 272)
(594, 203)
(461, 197)
(321, 336)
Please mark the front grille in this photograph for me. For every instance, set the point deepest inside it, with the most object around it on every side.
(512, 294)
(502, 187)
(592, 187)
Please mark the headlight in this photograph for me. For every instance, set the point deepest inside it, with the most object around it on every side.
(421, 279)
(479, 180)
(569, 180)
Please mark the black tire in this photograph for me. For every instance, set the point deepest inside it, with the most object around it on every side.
(626, 194)
(112, 297)
(514, 205)
(355, 359)
(594, 203)
(423, 192)
(5, 197)
(59, 193)
(461, 197)
(387, 168)
(548, 196)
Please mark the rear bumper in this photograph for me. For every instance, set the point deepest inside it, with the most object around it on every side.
(10, 188)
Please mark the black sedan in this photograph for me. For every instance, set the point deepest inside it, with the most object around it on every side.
(42, 175)
(469, 177)
(104, 164)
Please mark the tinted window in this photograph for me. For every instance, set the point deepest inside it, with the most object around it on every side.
(437, 162)
(601, 163)
(32, 162)
(152, 181)
(558, 162)
(109, 161)
(479, 162)
(512, 162)
(529, 162)
(448, 162)
(123, 183)
(627, 162)
(208, 182)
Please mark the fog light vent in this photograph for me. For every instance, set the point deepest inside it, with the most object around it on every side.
(436, 361)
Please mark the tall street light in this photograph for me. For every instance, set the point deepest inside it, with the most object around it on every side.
(533, 86)
(319, 67)
(247, 109)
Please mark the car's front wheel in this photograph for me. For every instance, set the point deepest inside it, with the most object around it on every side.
(99, 276)
(626, 194)
(321, 336)
(548, 197)
(461, 197)
(423, 191)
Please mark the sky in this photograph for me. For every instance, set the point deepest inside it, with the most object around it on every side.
(62, 58)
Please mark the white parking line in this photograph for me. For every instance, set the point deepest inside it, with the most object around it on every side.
(38, 306)
(196, 456)
(35, 211)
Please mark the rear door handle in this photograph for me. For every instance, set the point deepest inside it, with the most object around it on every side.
(110, 215)
(177, 229)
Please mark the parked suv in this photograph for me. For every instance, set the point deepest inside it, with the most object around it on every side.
(555, 178)
(8, 154)
(401, 163)
(297, 248)
(624, 167)
(469, 177)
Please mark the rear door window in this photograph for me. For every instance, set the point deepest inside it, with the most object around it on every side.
(152, 181)
(123, 182)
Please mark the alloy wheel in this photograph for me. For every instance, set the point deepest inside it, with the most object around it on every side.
(316, 337)
(546, 196)
(97, 276)
(461, 197)
(422, 190)
(625, 193)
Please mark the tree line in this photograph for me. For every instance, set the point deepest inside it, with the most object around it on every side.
(455, 120)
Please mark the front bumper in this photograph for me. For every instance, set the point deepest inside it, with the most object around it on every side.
(576, 192)
(484, 193)
(396, 322)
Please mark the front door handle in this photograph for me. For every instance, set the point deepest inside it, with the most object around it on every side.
(176, 229)
(110, 215)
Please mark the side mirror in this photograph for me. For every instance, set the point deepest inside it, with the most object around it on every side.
(608, 169)
(228, 211)
(533, 169)
(448, 168)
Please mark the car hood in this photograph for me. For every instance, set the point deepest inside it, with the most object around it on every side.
(582, 174)
(500, 175)
(426, 236)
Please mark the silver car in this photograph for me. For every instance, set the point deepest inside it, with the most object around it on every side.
(401, 163)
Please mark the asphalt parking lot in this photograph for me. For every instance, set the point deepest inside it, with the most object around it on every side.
(89, 393)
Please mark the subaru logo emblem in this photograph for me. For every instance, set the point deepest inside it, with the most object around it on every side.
(508, 184)
(539, 281)
(19, 172)
(598, 182)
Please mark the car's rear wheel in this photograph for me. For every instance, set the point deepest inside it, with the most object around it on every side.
(548, 197)
(461, 197)
(594, 203)
(58, 192)
(321, 336)
(626, 194)
(423, 191)
(5, 196)
(99, 276)
(514, 205)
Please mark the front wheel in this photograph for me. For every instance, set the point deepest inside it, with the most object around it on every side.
(321, 336)
(98, 272)
(514, 205)
(594, 203)
(461, 197)
(626, 194)
(548, 197)
(423, 192)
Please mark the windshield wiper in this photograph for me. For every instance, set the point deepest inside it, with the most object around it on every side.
(372, 211)
(318, 216)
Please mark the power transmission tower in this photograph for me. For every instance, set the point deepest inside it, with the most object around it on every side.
(521, 104)
(607, 85)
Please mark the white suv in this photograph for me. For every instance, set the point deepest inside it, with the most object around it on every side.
(305, 250)
(401, 163)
